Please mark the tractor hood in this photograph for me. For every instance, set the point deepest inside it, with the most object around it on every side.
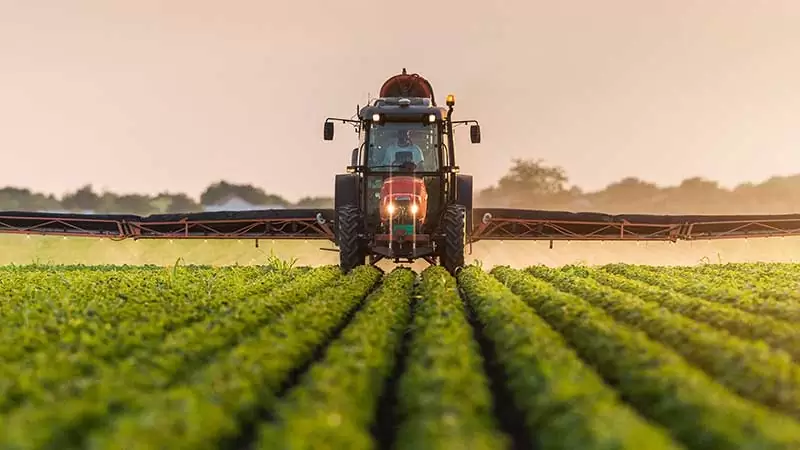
(404, 198)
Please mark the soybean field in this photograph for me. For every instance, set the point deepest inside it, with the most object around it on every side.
(280, 357)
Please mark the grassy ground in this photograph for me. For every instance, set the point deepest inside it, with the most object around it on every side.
(58, 250)
(16, 249)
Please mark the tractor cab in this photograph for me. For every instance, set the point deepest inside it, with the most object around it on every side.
(402, 182)
(402, 155)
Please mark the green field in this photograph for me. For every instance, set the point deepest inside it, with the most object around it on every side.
(274, 356)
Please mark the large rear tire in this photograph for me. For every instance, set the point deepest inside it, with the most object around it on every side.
(464, 197)
(349, 227)
(455, 225)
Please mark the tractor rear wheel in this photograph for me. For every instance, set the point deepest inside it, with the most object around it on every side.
(455, 230)
(348, 228)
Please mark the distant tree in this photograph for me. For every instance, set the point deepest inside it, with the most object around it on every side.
(217, 193)
(697, 195)
(221, 191)
(777, 195)
(314, 202)
(274, 199)
(84, 199)
(12, 198)
(41, 202)
(134, 204)
(182, 203)
(699, 185)
(107, 203)
(532, 177)
(631, 187)
(530, 183)
(160, 203)
(175, 203)
(630, 194)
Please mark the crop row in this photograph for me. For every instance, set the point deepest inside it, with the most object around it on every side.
(700, 284)
(619, 356)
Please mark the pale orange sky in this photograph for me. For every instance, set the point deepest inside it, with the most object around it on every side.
(141, 97)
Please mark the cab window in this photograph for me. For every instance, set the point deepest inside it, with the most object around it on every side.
(392, 144)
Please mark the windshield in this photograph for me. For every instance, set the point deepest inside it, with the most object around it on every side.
(392, 145)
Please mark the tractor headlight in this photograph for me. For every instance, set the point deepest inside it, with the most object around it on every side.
(390, 208)
(414, 208)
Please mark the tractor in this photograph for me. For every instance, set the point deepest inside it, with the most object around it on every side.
(403, 198)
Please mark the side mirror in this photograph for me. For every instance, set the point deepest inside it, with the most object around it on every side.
(475, 134)
(354, 158)
(328, 131)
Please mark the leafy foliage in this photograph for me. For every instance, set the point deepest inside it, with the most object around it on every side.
(336, 402)
(444, 398)
(655, 378)
(278, 356)
(566, 404)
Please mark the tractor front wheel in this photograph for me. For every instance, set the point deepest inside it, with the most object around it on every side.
(349, 226)
(455, 231)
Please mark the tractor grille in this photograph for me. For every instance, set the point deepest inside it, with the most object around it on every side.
(402, 212)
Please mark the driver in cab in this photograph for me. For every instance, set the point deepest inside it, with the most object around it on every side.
(400, 151)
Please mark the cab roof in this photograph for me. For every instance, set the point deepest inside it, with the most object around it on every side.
(402, 109)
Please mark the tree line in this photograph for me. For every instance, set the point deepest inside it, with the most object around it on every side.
(529, 184)
(86, 199)
(533, 184)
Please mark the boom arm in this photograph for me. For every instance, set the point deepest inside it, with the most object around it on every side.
(490, 224)
(517, 224)
(274, 224)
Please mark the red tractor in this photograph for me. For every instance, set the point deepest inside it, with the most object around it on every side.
(403, 198)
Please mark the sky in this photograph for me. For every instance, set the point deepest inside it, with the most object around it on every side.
(149, 96)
